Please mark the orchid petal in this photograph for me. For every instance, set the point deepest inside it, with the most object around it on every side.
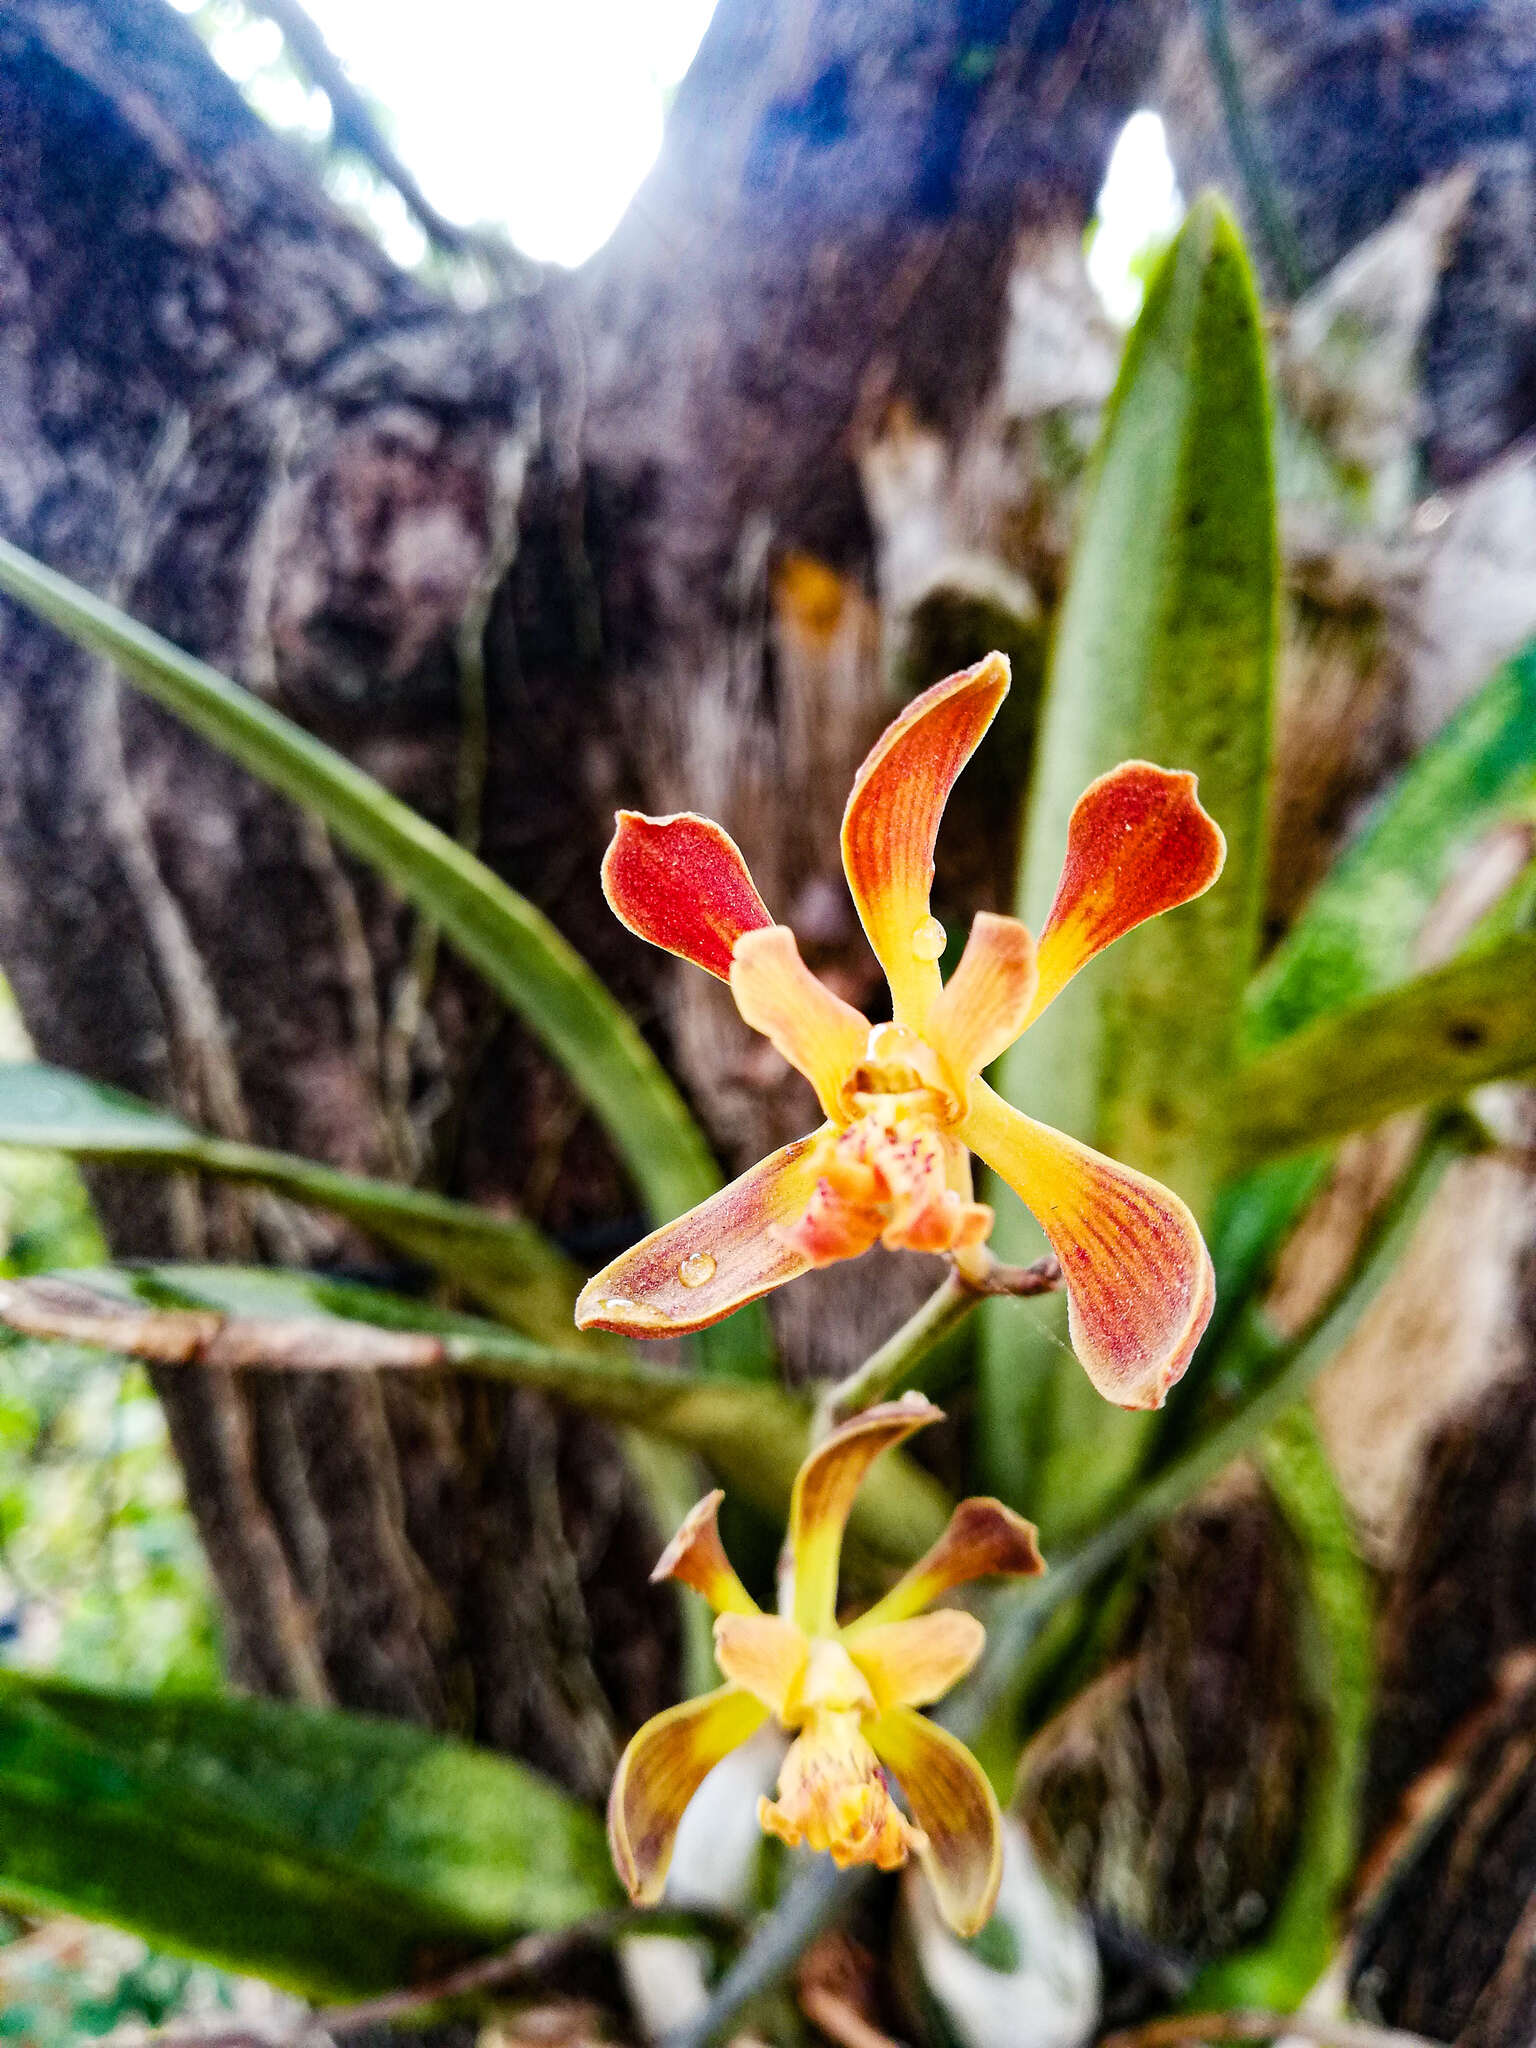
(892, 824)
(681, 883)
(984, 1540)
(913, 1663)
(817, 1032)
(1139, 842)
(664, 1765)
(1140, 1288)
(956, 1809)
(823, 1494)
(765, 1656)
(696, 1557)
(986, 1001)
(718, 1256)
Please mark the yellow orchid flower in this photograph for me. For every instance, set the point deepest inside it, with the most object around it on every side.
(848, 1695)
(904, 1101)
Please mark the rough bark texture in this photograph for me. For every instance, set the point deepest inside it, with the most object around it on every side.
(1166, 1793)
(222, 406)
(1447, 1948)
(1351, 108)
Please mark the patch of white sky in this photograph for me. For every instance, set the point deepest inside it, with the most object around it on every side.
(1139, 208)
(544, 116)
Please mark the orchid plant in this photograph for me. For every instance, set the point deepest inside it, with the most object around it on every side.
(904, 1100)
(1233, 1086)
(905, 1107)
(848, 1694)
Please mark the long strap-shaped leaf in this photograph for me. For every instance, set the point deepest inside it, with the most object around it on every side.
(1358, 933)
(1428, 1041)
(512, 944)
(1357, 938)
(1164, 651)
(255, 1318)
(329, 1854)
(504, 1262)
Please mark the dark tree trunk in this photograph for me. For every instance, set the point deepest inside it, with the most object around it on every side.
(1350, 108)
(223, 406)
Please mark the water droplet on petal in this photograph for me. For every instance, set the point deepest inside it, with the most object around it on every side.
(615, 1304)
(929, 939)
(696, 1269)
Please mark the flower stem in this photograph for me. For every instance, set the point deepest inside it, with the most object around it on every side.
(816, 1897)
(944, 1311)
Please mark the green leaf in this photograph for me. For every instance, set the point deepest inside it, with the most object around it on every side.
(1338, 1624)
(754, 1434)
(1165, 651)
(504, 1262)
(514, 946)
(1428, 1041)
(1357, 937)
(1358, 933)
(333, 1855)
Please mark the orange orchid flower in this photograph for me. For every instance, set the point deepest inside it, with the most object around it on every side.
(904, 1101)
(848, 1695)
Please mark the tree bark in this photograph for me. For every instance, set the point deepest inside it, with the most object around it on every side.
(226, 409)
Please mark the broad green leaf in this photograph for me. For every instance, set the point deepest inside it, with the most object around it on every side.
(1337, 1623)
(754, 1434)
(1358, 933)
(330, 1854)
(1427, 1041)
(515, 947)
(1357, 937)
(1165, 652)
(504, 1262)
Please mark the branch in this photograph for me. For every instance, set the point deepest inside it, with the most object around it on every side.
(355, 126)
(1263, 194)
(78, 1315)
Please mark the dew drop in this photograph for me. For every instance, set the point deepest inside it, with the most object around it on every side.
(615, 1304)
(696, 1269)
(929, 939)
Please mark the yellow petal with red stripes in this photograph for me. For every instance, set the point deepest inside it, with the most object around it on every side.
(984, 1540)
(824, 1492)
(1140, 1288)
(956, 1809)
(891, 825)
(659, 1773)
(696, 1557)
(709, 1262)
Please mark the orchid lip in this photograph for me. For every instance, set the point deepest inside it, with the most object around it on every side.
(902, 1076)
